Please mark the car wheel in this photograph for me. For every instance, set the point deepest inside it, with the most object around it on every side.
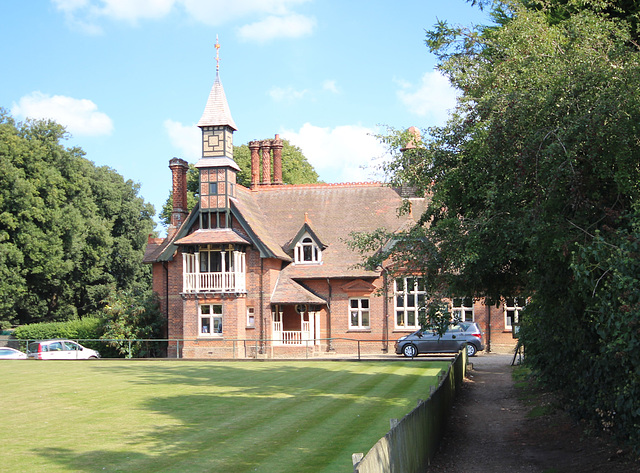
(409, 351)
(471, 349)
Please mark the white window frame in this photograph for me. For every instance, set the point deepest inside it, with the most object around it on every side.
(210, 320)
(461, 311)
(359, 312)
(251, 317)
(409, 302)
(307, 247)
(512, 309)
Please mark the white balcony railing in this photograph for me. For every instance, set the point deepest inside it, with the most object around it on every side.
(227, 281)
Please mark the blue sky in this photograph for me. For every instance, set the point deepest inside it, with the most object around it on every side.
(130, 78)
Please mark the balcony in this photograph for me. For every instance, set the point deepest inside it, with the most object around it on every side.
(225, 281)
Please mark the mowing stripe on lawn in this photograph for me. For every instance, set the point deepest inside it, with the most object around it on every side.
(181, 416)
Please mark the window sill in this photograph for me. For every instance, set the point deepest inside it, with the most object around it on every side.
(359, 330)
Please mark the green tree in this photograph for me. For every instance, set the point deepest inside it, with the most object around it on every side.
(296, 169)
(68, 229)
(533, 177)
(133, 315)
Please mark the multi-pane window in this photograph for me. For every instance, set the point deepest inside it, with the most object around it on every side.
(213, 220)
(410, 302)
(251, 317)
(210, 319)
(359, 313)
(307, 251)
(512, 308)
(215, 261)
(462, 309)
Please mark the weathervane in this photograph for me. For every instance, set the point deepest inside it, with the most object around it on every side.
(217, 55)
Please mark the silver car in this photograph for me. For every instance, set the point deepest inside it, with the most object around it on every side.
(451, 341)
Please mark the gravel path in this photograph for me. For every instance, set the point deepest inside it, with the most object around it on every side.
(489, 432)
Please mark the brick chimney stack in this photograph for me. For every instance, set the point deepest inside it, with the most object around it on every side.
(254, 146)
(414, 140)
(179, 168)
(276, 146)
(265, 147)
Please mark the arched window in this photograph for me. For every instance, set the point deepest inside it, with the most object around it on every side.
(307, 252)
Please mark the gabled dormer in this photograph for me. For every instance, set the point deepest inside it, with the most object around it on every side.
(306, 246)
(218, 170)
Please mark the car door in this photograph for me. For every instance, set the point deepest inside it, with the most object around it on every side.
(55, 351)
(452, 339)
(428, 342)
(72, 350)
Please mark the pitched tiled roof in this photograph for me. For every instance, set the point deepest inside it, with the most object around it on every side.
(254, 220)
(290, 292)
(152, 250)
(218, 236)
(335, 211)
(217, 111)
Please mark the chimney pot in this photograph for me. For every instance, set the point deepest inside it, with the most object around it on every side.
(265, 147)
(179, 168)
(276, 145)
(254, 147)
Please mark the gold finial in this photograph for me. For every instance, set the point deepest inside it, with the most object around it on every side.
(217, 55)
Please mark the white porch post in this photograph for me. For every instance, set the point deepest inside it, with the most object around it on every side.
(196, 271)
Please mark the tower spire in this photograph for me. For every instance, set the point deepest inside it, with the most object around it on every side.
(216, 112)
(217, 56)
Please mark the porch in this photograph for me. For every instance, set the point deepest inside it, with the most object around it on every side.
(295, 325)
(291, 337)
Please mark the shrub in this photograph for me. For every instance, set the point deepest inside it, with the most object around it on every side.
(87, 328)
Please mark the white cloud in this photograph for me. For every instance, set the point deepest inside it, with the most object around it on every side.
(186, 139)
(341, 154)
(286, 94)
(217, 12)
(133, 10)
(331, 86)
(79, 116)
(70, 5)
(432, 98)
(276, 18)
(289, 26)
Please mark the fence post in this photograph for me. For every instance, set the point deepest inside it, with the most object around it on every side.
(358, 350)
(356, 458)
(177, 348)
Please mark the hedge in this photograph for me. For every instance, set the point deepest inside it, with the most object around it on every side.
(89, 328)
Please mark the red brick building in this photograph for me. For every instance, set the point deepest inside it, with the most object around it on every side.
(267, 270)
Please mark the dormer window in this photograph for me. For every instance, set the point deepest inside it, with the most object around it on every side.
(307, 251)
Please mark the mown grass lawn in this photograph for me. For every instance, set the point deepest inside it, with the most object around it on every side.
(193, 416)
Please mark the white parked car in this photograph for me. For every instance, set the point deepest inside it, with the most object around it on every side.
(60, 350)
(7, 353)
